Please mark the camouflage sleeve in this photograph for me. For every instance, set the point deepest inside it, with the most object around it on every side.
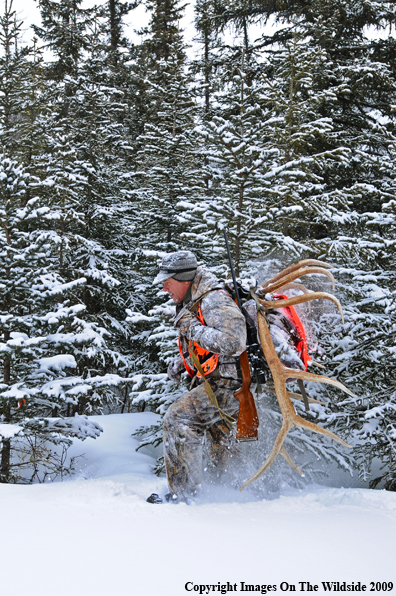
(225, 329)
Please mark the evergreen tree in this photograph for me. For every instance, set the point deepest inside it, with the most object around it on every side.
(85, 179)
(105, 199)
(167, 171)
(43, 333)
(368, 350)
(164, 34)
(166, 163)
(361, 75)
(13, 67)
(208, 41)
(64, 29)
(270, 151)
(290, 147)
(113, 12)
(163, 42)
(267, 149)
(23, 105)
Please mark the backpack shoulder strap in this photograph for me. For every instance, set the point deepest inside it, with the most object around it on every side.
(194, 306)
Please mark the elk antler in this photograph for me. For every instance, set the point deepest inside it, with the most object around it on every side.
(294, 267)
(271, 304)
(280, 374)
(286, 279)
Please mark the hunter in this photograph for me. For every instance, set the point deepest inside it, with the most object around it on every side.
(211, 326)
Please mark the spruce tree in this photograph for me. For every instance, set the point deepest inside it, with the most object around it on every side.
(43, 336)
(167, 171)
(267, 151)
(362, 76)
(267, 146)
(167, 163)
(167, 166)
(23, 105)
(116, 44)
(64, 29)
(84, 173)
(208, 40)
(162, 40)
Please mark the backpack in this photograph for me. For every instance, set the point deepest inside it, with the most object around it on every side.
(287, 333)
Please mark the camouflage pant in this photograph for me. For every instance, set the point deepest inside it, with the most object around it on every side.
(185, 424)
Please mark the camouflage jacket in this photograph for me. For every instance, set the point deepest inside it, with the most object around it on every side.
(224, 332)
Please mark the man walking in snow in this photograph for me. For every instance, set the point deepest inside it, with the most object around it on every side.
(213, 329)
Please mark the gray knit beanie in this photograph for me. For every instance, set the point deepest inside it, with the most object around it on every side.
(181, 265)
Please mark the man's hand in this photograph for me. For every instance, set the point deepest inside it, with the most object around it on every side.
(175, 369)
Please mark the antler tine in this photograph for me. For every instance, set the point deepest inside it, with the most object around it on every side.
(271, 458)
(289, 460)
(291, 268)
(296, 286)
(271, 304)
(306, 376)
(295, 275)
(278, 448)
(293, 395)
(318, 364)
(290, 418)
(320, 430)
(275, 451)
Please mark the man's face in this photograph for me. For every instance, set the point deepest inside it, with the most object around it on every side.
(176, 289)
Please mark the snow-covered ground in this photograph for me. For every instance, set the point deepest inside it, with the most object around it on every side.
(95, 534)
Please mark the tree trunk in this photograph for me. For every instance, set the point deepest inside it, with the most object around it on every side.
(207, 98)
(6, 443)
(5, 460)
(114, 33)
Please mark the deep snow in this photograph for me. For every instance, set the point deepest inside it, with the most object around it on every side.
(95, 534)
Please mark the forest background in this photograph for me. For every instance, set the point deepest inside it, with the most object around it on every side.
(115, 152)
